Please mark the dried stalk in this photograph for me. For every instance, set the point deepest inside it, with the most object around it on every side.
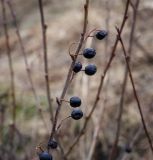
(26, 61)
(68, 79)
(44, 29)
(98, 124)
(119, 119)
(135, 92)
(100, 85)
(12, 81)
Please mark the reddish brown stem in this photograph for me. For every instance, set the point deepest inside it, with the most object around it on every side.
(70, 72)
(25, 60)
(100, 85)
(135, 92)
(8, 50)
(44, 29)
(119, 119)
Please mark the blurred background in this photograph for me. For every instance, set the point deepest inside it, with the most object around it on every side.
(65, 20)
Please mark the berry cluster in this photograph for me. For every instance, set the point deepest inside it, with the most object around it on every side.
(75, 102)
(90, 70)
(89, 53)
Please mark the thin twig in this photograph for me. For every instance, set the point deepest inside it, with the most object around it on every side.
(10, 60)
(70, 70)
(12, 81)
(97, 128)
(136, 136)
(100, 85)
(26, 61)
(44, 29)
(119, 119)
(135, 92)
(98, 125)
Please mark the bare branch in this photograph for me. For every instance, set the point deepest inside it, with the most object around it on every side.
(26, 61)
(119, 119)
(135, 93)
(70, 72)
(44, 29)
(100, 85)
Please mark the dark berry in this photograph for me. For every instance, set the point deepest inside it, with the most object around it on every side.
(89, 53)
(75, 101)
(77, 67)
(128, 149)
(77, 114)
(45, 156)
(52, 144)
(91, 69)
(101, 34)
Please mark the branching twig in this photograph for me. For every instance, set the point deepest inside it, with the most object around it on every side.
(25, 60)
(100, 85)
(119, 119)
(70, 69)
(135, 92)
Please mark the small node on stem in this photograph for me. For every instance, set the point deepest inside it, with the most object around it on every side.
(72, 55)
(39, 148)
(57, 101)
(45, 26)
(64, 100)
(127, 57)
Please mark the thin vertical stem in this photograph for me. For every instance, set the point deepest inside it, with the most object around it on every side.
(8, 50)
(119, 119)
(69, 75)
(25, 60)
(44, 29)
(135, 93)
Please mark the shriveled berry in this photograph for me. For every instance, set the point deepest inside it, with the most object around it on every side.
(77, 114)
(128, 149)
(77, 67)
(89, 53)
(101, 34)
(91, 69)
(52, 144)
(45, 156)
(75, 101)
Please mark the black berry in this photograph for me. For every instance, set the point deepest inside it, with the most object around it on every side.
(91, 69)
(75, 101)
(77, 67)
(101, 34)
(89, 53)
(45, 156)
(52, 144)
(77, 114)
(128, 149)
